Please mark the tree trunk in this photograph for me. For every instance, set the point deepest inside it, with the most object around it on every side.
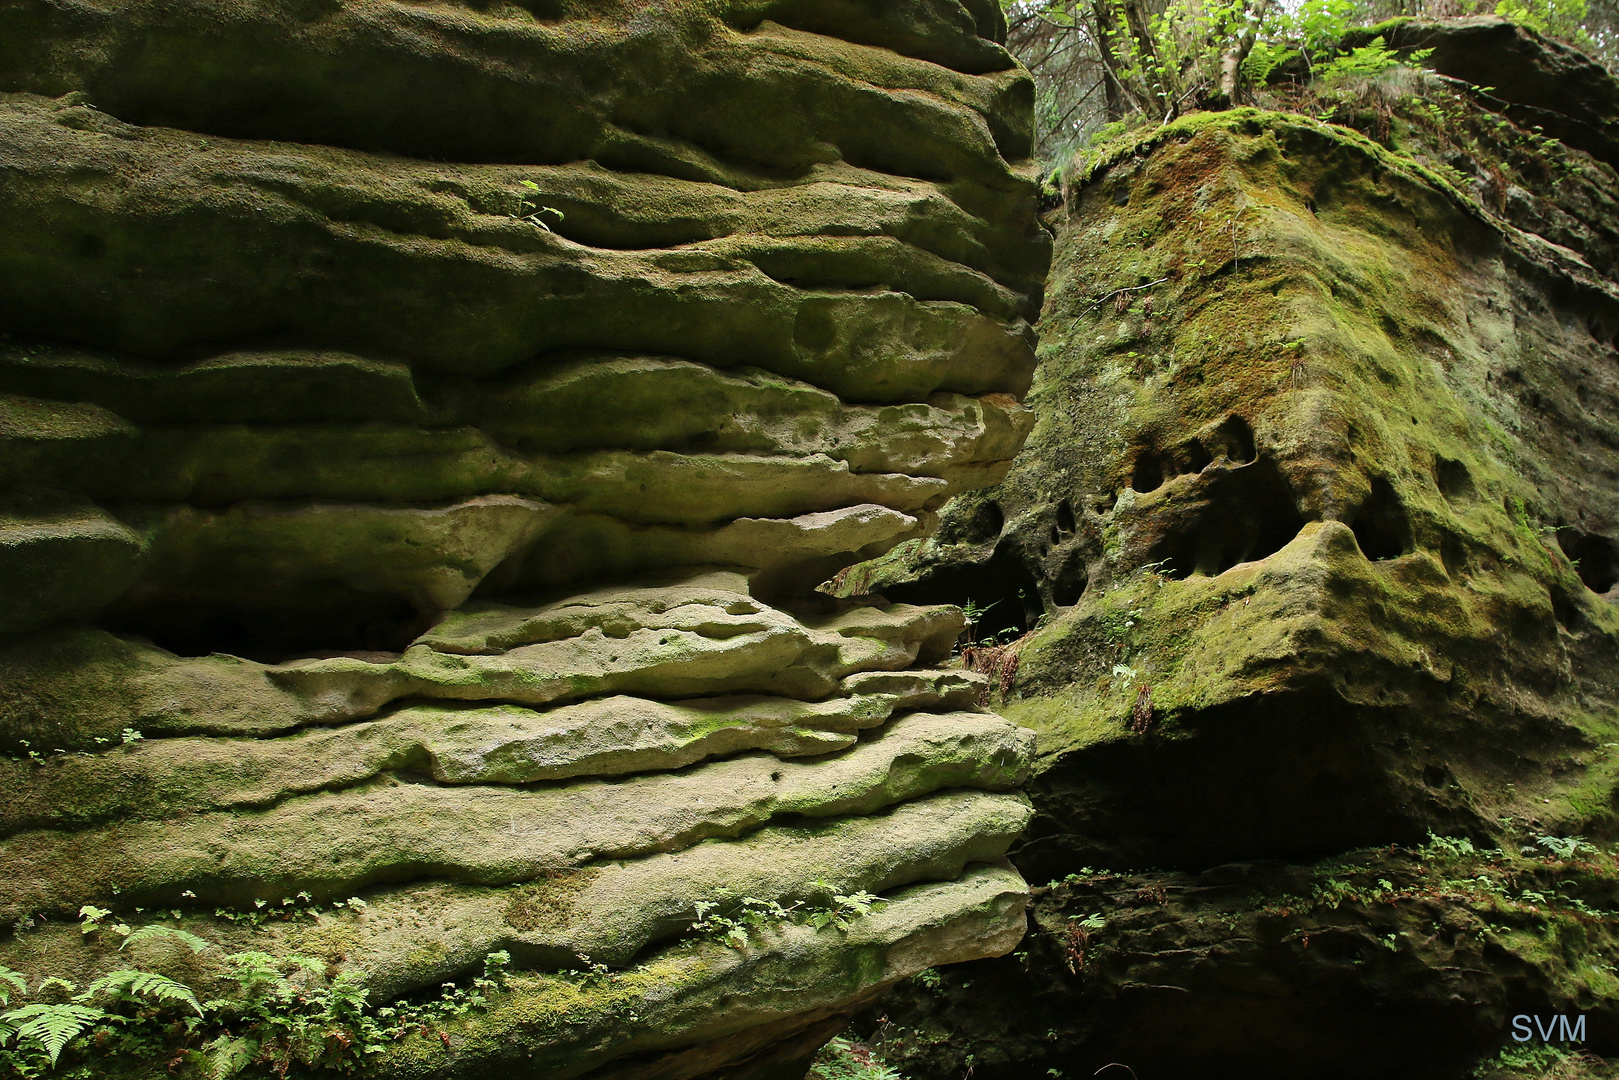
(1231, 85)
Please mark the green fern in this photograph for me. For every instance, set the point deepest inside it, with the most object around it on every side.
(127, 985)
(12, 978)
(147, 933)
(52, 1026)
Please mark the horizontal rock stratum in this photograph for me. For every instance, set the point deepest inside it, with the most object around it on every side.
(424, 426)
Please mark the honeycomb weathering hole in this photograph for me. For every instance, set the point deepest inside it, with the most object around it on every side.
(1595, 557)
(1237, 439)
(979, 525)
(1065, 517)
(1148, 474)
(1002, 587)
(1454, 480)
(1245, 514)
(1380, 525)
(1069, 582)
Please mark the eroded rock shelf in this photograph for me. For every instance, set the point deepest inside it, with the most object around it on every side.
(421, 429)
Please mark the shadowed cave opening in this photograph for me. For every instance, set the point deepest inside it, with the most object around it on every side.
(1072, 576)
(1003, 582)
(1380, 525)
(1149, 473)
(1244, 514)
(1065, 517)
(1232, 440)
(1289, 776)
(1455, 482)
(1236, 439)
(367, 623)
(1595, 557)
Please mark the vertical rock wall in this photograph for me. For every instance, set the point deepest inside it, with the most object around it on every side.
(423, 424)
(1313, 563)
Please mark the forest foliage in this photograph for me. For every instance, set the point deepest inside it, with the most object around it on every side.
(1103, 65)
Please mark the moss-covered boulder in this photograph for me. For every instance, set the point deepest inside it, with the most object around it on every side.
(421, 429)
(1313, 552)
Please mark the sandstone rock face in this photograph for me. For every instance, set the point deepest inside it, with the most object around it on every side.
(1537, 82)
(423, 425)
(1313, 554)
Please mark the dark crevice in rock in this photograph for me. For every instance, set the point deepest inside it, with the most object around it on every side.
(1567, 612)
(1003, 581)
(1070, 579)
(1380, 524)
(1596, 557)
(1149, 473)
(865, 274)
(1237, 439)
(1454, 481)
(368, 623)
(1243, 514)
(1065, 517)
(1286, 776)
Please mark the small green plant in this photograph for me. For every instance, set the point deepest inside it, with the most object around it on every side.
(844, 1059)
(1566, 847)
(1521, 1058)
(530, 210)
(90, 918)
(1127, 673)
(974, 612)
(751, 914)
(11, 981)
(843, 910)
(1373, 58)
(285, 1012)
(1454, 847)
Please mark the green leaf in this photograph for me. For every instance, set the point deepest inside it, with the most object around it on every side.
(145, 984)
(229, 1056)
(13, 978)
(147, 933)
(52, 1026)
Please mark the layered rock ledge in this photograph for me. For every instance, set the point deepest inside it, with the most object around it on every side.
(421, 429)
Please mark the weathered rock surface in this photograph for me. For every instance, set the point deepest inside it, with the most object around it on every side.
(1540, 83)
(1315, 546)
(421, 426)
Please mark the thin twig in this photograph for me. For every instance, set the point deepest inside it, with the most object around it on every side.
(1133, 288)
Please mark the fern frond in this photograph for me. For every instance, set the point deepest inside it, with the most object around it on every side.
(145, 984)
(52, 1026)
(146, 933)
(12, 978)
(230, 1055)
(306, 963)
